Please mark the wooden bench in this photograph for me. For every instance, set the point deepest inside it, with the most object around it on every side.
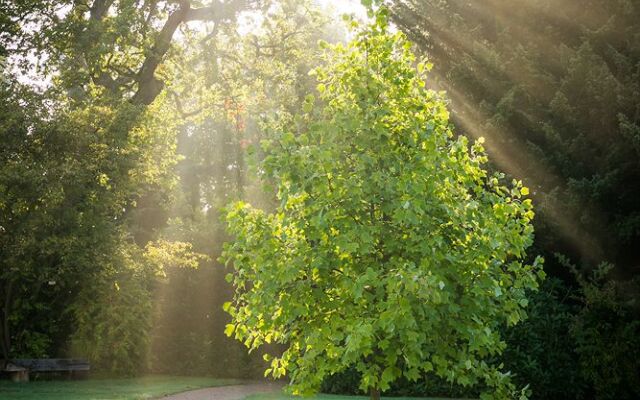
(19, 369)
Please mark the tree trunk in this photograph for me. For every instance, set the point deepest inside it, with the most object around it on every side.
(374, 393)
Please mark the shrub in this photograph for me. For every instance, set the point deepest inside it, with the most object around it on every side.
(541, 351)
(606, 332)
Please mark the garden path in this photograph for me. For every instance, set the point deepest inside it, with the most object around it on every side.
(233, 392)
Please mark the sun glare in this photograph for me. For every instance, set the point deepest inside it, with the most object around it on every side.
(344, 7)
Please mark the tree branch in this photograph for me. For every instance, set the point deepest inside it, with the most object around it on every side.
(149, 87)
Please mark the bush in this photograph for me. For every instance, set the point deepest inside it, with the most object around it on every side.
(606, 332)
(114, 316)
(575, 344)
(347, 383)
(541, 352)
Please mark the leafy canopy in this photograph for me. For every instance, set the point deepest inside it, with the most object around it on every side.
(392, 249)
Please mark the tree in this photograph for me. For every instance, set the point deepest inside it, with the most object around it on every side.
(113, 45)
(50, 226)
(88, 178)
(392, 249)
(558, 85)
(63, 227)
(78, 160)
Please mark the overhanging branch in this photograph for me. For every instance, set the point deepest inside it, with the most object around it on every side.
(148, 86)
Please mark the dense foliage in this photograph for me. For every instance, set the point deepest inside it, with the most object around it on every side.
(392, 250)
(132, 178)
(540, 353)
(40, 224)
(554, 88)
(78, 156)
(66, 253)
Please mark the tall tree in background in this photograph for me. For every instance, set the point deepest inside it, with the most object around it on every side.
(64, 230)
(43, 219)
(71, 227)
(555, 88)
(117, 46)
(243, 79)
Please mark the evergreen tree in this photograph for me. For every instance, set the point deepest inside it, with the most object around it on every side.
(555, 88)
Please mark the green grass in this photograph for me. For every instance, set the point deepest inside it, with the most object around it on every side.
(278, 396)
(106, 389)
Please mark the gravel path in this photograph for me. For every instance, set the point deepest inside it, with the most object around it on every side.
(234, 392)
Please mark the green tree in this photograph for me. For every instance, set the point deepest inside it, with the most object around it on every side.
(113, 47)
(87, 177)
(51, 227)
(79, 159)
(391, 249)
(64, 215)
(556, 86)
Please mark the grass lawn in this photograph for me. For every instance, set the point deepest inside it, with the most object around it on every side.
(277, 396)
(106, 389)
